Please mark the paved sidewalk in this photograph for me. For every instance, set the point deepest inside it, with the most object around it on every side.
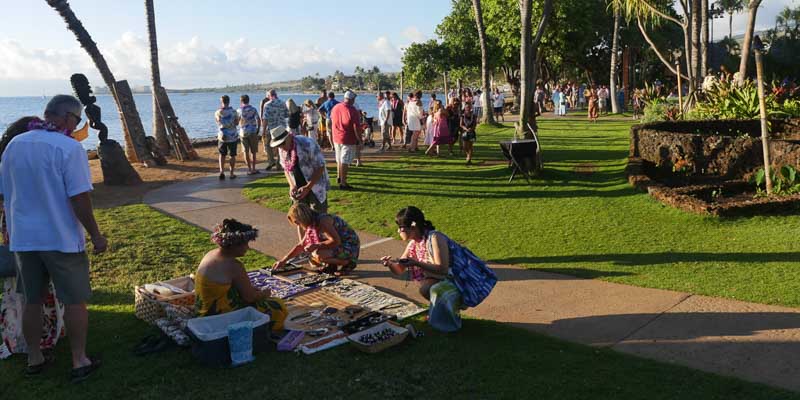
(750, 341)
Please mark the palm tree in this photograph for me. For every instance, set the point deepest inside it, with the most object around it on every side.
(135, 146)
(488, 116)
(159, 128)
(612, 86)
(731, 7)
(783, 18)
(752, 8)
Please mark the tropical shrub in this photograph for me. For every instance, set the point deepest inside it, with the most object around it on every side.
(785, 180)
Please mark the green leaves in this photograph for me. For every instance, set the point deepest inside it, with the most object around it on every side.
(784, 181)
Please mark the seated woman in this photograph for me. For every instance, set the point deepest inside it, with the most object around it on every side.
(427, 257)
(332, 243)
(221, 282)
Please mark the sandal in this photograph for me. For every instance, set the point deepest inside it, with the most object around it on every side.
(49, 358)
(78, 375)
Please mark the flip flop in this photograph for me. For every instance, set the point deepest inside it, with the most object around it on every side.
(78, 375)
(49, 358)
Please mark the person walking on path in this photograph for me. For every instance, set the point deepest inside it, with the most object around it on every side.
(45, 183)
(326, 108)
(227, 137)
(310, 119)
(303, 167)
(413, 121)
(385, 122)
(593, 98)
(397, 117)
(273, 114)
(499, 102)
(249, 126)
(295, 116)
(454, 123)
(441, 132)
(468, 123)
(345, 125)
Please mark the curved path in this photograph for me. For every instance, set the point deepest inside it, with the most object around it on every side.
(750, 341)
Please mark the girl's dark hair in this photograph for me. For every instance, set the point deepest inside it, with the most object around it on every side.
(16, 127)
(413, 216)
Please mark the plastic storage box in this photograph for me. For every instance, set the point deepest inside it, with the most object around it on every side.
(210, 335)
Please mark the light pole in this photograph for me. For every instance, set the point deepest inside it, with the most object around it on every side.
(677, 54)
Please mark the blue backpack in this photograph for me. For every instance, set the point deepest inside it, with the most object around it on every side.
(473, 278)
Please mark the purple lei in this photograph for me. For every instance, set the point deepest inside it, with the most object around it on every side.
(38, 124)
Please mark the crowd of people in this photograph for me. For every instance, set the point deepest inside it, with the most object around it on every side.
(559, 98)
(345, 127)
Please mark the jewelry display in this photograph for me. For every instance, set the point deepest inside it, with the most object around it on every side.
(278, 287)
(373, 299)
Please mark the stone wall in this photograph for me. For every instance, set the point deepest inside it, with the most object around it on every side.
(724, 149)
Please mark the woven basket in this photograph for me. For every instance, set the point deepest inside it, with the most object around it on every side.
(150, 307)
(378, 347)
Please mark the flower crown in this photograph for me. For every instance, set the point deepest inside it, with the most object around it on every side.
(227, 239)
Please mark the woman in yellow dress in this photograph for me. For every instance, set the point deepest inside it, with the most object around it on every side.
(221, 282)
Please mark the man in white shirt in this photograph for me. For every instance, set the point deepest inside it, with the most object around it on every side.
(385, 122)
(499, 102)
(45, 184)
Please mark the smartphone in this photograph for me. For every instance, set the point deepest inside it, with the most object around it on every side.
(403, 261)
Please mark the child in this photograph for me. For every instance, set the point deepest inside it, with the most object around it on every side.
(221, 282)
(468, 122)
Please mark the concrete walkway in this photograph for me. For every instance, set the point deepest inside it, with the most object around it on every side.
(751, 341)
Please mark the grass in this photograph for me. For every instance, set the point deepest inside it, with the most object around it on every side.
(484, 360)
(590, 225)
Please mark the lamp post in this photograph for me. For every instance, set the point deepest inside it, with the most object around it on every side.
(677, 54)
(758, 48)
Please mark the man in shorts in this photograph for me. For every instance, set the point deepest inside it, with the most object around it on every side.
(326, 108)
(227, 138)
(345, 124)
(45, 184)
(273, 114)
(249, 125)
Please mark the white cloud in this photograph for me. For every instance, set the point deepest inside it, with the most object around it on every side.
(413, 34)
(192, 63)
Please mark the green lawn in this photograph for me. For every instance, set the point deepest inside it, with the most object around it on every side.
(588, 225)
(484, 360)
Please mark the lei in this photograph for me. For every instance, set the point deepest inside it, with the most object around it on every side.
(226, 239)
(291, 157)
(39, 124)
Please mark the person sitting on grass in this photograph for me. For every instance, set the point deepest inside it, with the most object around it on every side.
(221, 282)
(427, 257)
(330, 240)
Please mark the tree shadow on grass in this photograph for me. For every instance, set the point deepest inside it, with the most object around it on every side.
(637, 259)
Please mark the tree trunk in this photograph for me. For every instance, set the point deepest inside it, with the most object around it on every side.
(704, 40)
(159, 129)
(695, 30)
(748, 38)
(446, 92)
(528, 56)
(488, 116)
(687, 42)
(730, 25)
(614, 49)
(134, 152)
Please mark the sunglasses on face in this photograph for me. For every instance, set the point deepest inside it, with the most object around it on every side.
(77, 117)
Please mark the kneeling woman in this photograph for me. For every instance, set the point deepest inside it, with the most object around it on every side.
(427, 257)
(221, 282)
(334, 245)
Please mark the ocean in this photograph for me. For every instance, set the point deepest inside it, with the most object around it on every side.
(195, 111)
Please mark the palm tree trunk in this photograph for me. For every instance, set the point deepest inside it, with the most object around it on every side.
(748, 38)
(159, 128)
(704, 40)
(695, 18)
(730, 25)
(488, 116)
(134, 149)
(614, 49)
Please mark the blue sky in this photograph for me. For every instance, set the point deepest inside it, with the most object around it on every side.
(213, 43)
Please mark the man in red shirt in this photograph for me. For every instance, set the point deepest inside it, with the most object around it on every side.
(345, 124)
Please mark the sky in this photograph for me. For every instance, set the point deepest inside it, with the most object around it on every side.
(205, 43)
